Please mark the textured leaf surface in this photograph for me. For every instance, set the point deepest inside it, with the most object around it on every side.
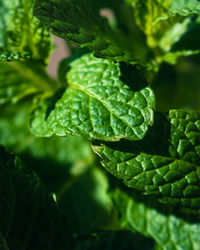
(21, 34)
(29, 218)
(80, 23)
(185, 7)
(99, 104)
(168, 230)
(21, 79)
(166, 165)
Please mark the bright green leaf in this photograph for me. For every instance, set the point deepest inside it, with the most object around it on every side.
(167, 165)
(21, 34)
(185, 7)
(105, 100)
(147, 12)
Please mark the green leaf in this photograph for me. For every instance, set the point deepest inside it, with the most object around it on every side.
(105, 100)
(165, 164)
(80, 23)
(155, 221)
(174, 34)
(185, 7)
(163, 29)
(147, 13)
(29, 216)
(21, 34)
(190, 40)
(21, 79)
(182, 39)
(73, 157)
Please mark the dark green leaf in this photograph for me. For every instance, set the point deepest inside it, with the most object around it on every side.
(80, 23)
(30, 218)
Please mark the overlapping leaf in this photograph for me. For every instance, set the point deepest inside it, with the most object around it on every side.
(147, 13)
(21, 34)
(164, 23)
(167, 165)
(29, 217)
(146, 217)
(105, 100)
(80, 23)
(73, 157)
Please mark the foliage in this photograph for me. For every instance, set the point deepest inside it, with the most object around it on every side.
(106, 156)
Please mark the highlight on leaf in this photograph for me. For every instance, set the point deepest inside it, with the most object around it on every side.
(105, 100)
(166, 166)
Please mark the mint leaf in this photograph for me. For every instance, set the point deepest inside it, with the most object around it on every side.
(29, 209)
(39, 126)
(146, 15)
(184, 7)
(190, 39)
(73, 157)
(87, 29)
(145, 216)
(21, 34)
(163, 29)
(177, 41)
(98, 104)
(21, 79)
(174, 34)
(167, 166)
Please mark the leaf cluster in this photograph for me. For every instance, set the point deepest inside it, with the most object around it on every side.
(107, 155)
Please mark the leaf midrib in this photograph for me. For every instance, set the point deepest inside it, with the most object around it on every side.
(84, 90)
